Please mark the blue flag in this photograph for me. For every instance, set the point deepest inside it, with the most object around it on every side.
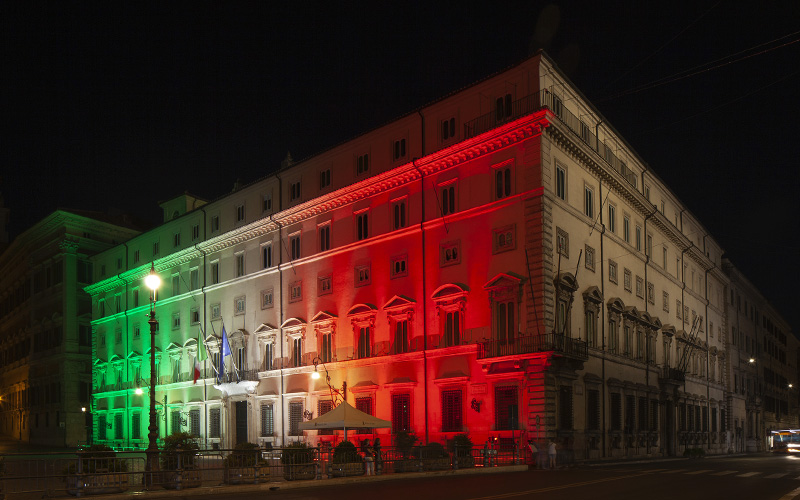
(226, 346)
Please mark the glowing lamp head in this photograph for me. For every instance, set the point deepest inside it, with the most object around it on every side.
(315, 375)
(83, 409)
(752, 360)
(790, 386)
(138, 391)
(152, 281)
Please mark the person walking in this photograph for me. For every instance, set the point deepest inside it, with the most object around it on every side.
(534, 453)
(552, 452)
(369, 458)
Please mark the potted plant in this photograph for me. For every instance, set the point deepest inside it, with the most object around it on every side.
(178, 462)
(346, 460)
(404, 444)
(97, 472)
(434, 457)
(461, 448)
(246, 465)
(298, 462)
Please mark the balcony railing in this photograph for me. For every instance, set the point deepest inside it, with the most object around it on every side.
(672, 374)
(544, 99)
(531, 344)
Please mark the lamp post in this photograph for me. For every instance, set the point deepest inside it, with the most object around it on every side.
(335, 392)
(152, 281)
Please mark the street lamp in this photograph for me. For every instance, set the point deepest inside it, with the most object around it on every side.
(335, 391)
(152, 281)
(752, 360)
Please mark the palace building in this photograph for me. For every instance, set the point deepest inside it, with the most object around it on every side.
(499, 262)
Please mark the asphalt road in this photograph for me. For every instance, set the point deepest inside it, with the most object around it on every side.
(759, 477)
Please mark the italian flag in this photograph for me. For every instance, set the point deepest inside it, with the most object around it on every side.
(201, 356)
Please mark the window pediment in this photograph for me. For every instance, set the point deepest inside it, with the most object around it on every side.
(322, 317)
(449, 292)
(361, 310)
(668, 330)
(399, 303)
(264, 328)
(567, 282)
(134, 355)
(593, 294)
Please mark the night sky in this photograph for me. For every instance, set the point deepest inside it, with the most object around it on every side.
(116, 106)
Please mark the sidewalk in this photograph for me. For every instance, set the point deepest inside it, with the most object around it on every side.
(604, 462)
(228, 490)
(10, 446)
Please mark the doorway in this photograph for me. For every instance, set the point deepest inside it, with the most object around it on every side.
(241, 422)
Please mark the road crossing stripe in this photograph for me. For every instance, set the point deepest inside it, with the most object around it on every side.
(674, 471)
(698, 471)
(775, 476)
(749, 474)
(725, 473)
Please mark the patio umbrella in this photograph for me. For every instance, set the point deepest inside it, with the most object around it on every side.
(345, 417)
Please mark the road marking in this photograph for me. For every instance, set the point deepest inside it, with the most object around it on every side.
(791, 495)
(775, 476)
(674, 471)
(725, 473)
(553, 488)
(749, 474)
(698, 472)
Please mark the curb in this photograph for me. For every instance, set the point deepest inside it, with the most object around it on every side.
(229, 490)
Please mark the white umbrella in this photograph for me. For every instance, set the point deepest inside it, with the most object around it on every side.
(345, 416)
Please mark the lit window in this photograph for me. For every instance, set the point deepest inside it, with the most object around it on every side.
(266, 298)
(362, 275)
(294, 244)
(399, 266)
(239, 259)
(324, 285)
(295, 291)
(450, 253)
(239, 305)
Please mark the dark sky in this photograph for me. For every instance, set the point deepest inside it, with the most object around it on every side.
(116, 106)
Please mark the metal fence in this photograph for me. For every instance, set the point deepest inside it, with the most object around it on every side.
(90, 472)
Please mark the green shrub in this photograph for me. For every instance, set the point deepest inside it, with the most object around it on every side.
(404, 442)
(434, 450)
(245, 455)
(297, 453)
(461, 445)
(345, 452)
(188, 449)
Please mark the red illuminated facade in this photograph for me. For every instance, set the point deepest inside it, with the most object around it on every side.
(460, 268)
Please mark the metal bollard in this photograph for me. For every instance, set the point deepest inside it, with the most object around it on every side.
(178, 473)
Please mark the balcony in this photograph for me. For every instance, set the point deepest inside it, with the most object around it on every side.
(544, 99)
(671, 376)
(531, 344)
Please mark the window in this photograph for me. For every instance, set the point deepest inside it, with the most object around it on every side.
(266, 256)
(664, 257)
(294, 244)
(325, 178)
(651, 293)
(214, 427)
(195, 232)
(362, 164)
(324, 237)
(452, 328)
(239, 305)
(362, 225)
(638, 238)
(562, 242)
(399, 214)
(118, 425)
(503, 180)
(118, 335)
(503, 107)
(266, 298)
(613, 336)
(628, 278)
(266, 203)
(639, 287)
(400, 336)
(176, 240)
(294, 191)
(665, 304)
(194, 422)
(506, 408)
(648, 245)
(240, 213)
(448, 129)
(297, 352)
(295, 291)
(590, 324)
(399, 266)
(678, 309)
(324, 285)
(612, 218)
(364, 342)
(175, 421)
(399, 150)
(215, 272)
(448, 199)
(364, 403)
(215, 311)
(401, 413)
(612, 271)
(362, 275)
(176, 285)
(503, 239)
(589, 258)
(452, 411)
(214, 223)
(295, 417)
(176, 321)
(449, 253)
(269, 356)
(239, 261)
(505, 325)
(156, 248)
(626, 228)
(136, 259)
(588, 202)
(137, 332)
(326, 352)
(194, 278)
(136, 425)
(561, 182)
(565, 407)
(194, 316)
(630, 413)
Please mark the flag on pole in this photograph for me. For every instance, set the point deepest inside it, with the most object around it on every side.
(201, 356)
(226, 351)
